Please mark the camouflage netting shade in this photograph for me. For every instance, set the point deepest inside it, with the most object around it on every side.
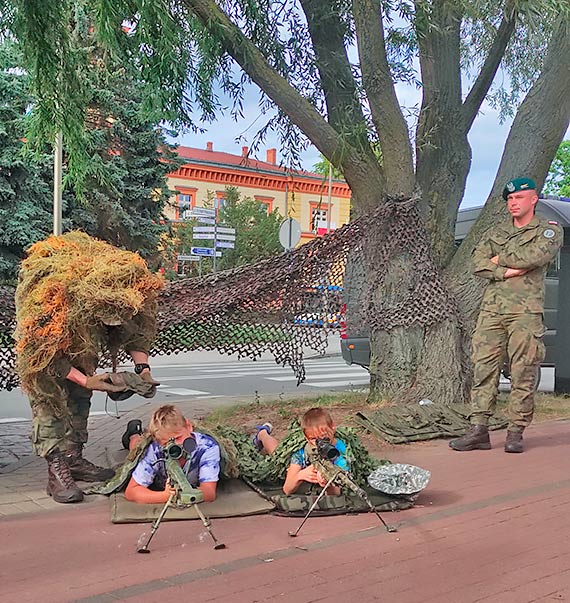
(261, 308)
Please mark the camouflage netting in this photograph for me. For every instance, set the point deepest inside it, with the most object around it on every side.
(275, 305)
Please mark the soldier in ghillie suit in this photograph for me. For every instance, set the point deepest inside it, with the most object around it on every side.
(77, 300)
(513, 257)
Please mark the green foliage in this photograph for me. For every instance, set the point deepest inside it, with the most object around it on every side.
(558, 180)
(322, 167)
(25, 195)
(124, 192)
(124, 188)
(257, 232)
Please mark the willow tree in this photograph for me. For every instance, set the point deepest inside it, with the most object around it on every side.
(331, 68)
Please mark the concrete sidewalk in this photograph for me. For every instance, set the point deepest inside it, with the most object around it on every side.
(490, 527)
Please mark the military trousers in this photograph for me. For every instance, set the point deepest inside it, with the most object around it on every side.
(516, 338)
(59, 430)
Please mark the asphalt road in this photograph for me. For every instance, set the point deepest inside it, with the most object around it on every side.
(210, 377)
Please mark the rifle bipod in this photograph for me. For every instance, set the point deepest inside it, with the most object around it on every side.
(361, 494)
(156, 523)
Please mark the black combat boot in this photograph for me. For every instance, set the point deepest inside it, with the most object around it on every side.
(514, 443)
(134, 427)
(477, 438)
(60, 482)
(84, 470)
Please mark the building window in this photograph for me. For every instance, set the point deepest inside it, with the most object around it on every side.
(318, 218)
(185, 201)
(267, 202)
(220, 199)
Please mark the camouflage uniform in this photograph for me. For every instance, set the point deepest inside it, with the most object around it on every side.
(66, 427)
(510, 322)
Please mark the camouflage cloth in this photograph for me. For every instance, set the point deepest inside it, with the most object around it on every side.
(531, 248)
(510, 323)
(133, 384)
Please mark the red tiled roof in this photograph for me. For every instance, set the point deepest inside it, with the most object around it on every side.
(228, 159)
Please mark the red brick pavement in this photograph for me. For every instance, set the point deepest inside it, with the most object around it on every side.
(490, 527)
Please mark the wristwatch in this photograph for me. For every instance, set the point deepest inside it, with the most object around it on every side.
(139, 368)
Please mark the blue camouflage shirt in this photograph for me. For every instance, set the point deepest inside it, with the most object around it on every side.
(202, 466)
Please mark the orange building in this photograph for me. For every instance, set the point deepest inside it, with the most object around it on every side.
(296, 194)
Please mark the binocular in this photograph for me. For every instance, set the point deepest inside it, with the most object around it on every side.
(326, 449)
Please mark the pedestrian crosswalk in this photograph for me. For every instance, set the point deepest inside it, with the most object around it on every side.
(215, 381)
(322, 373)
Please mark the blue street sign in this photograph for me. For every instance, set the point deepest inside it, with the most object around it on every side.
(202, 251)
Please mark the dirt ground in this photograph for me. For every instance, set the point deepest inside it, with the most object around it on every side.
(343, 406)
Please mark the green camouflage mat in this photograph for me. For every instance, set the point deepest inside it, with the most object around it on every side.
(235, 499)
(299, 503)
(415, 422)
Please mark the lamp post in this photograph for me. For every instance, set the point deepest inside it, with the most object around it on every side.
(57, 184)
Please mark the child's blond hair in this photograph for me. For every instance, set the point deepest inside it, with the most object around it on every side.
(166, 418)
(315, 418)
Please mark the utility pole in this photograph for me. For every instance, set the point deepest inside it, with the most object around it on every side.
(57, 184)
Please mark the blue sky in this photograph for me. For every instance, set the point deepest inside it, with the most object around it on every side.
(487, 138)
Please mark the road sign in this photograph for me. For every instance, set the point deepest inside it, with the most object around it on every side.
(289, 233)
(204, 229)
(225, 244)
(202, 220)
(226, 237)
(204, 236)
(223, 230)
(203, 211)
(188, 258)
(206, 251)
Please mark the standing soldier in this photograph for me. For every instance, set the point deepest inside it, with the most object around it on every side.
(513, 257)
(77, 299)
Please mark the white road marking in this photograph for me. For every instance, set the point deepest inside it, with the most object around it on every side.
(181, 391)
(332, 377)
(338, 383)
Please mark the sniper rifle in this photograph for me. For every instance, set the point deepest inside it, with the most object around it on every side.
(185, 495)
(322, 457)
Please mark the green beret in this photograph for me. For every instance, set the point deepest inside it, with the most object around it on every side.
(518, 184)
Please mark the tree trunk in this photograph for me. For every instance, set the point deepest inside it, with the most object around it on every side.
(434, 363)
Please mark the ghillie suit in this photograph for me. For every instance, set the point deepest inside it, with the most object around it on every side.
(71, 289)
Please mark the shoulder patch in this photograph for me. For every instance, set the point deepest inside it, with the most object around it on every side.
(548, 233)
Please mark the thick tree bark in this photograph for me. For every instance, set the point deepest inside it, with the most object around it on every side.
(362, 172)
(386, 112)
(442, 148)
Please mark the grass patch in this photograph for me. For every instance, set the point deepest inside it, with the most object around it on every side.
(280, 412)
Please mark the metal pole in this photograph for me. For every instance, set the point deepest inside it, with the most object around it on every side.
(329, 210)
(57, 183)
(286, 196)
(216, 233)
